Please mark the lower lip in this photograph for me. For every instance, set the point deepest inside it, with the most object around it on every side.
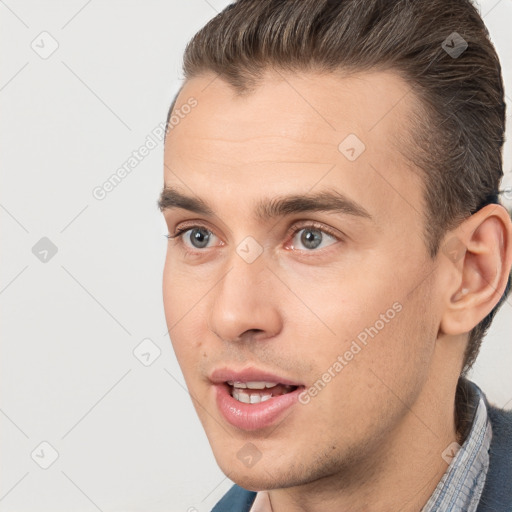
(253, 416)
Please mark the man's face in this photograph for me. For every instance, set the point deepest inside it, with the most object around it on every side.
(337, 302)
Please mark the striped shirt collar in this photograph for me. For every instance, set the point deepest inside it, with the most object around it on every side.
(460, 488)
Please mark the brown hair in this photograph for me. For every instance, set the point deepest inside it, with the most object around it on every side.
(460, 120)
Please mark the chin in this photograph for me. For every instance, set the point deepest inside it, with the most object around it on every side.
(264, 475)
(253, 482)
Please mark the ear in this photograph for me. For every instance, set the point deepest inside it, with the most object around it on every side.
(476, 257)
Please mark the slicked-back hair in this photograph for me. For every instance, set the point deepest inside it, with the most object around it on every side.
(457, 127)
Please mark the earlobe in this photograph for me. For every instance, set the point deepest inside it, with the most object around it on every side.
(480, 274)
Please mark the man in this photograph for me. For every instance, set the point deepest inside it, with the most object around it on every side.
(337, 251)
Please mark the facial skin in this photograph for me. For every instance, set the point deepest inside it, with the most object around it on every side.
(372, 438)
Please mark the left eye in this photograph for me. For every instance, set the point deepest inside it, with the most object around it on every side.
(312, 238)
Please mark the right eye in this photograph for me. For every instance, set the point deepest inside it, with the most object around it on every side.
(194, 237)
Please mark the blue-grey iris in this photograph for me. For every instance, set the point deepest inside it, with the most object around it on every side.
(311, 238)
(199, 237)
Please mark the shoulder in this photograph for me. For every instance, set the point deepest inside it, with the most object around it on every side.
(497, 492)
(501, 421)
(501, 444)
(236, 499)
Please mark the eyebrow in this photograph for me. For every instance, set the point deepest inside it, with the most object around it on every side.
(326, 201)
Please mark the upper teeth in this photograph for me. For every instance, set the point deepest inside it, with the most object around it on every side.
(252, 385)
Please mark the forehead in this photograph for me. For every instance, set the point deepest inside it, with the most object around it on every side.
(300, 104)
(293, 131)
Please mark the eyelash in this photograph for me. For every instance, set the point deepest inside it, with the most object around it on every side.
(290, 233)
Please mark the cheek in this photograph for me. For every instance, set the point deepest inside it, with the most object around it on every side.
(182, 291)
(342, 301)
(371, 329)
(182, 307)
(386, 354)
(371, 387)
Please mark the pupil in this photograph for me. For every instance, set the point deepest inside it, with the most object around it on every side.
(311, 238)
(199, 237)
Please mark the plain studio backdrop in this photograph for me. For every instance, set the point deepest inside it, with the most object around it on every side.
(94, 412)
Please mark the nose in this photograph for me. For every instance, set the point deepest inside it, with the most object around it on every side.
(244, 304)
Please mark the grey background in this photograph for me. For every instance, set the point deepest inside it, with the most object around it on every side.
(126, 434)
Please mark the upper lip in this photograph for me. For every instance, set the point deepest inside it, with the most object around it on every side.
(222, 375)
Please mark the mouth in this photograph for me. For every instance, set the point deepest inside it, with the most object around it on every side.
(251, 399)
(255, 392)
